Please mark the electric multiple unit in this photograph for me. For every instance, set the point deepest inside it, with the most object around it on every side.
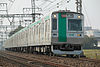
(59, 33)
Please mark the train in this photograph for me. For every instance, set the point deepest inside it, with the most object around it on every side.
(59, 33)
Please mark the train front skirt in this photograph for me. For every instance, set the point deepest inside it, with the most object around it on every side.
(75, 52)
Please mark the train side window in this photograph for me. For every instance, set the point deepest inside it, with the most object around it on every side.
(42, 28)
(45, 27)
(54, 24)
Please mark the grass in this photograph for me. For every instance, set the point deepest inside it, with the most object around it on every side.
(92, 53)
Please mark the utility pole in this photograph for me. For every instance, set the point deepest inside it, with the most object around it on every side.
(34, 7)
(79, 6)
(33, 10)
(3, 8)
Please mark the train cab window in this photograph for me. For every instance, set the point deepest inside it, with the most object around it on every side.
(75, 25)
(54, 24)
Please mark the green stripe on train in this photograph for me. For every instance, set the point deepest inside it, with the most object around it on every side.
(62, 37)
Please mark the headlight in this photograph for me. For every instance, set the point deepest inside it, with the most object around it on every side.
(79, 17)
(55, 16)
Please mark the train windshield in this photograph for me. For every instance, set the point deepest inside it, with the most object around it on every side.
(75, 25)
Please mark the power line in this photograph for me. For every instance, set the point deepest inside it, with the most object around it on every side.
(12, 2)
(33, 9)
(55, 5)
(49, 4)
(88, 19)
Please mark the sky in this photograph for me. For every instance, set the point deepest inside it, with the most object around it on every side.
(91, 9)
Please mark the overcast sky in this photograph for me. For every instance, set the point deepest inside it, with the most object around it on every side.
(91, 9)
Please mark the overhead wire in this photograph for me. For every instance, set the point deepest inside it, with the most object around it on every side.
(59, 3)
(49, 4)
(55, 5)
(42, 4)
(45, 3)
(12, 2)
(50, 9)
(45, 7)
(88, 19)
(48, 0)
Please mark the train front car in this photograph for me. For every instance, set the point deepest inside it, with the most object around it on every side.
(67, 33)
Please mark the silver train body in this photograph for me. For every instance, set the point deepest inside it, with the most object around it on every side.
(59, 33)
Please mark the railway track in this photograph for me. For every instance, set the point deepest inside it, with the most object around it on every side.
(26, 62)
(43, 60)
(16, 60)
(89, 60)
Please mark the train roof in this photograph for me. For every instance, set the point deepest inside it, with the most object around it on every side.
(62, 11)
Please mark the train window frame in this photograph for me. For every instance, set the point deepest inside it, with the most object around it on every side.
(54, 27)
(74, 22)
